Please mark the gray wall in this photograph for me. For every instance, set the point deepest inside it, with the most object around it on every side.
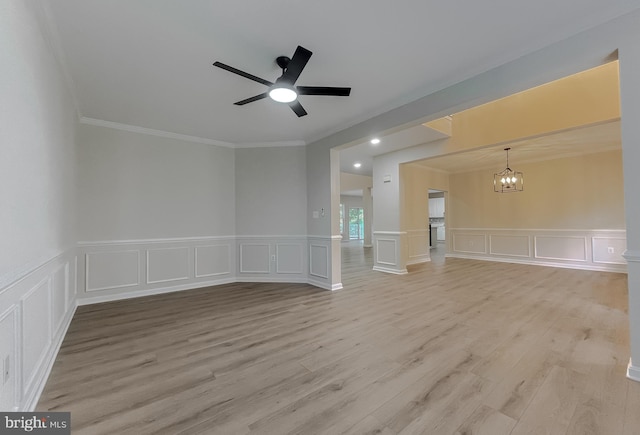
(271, 191)
(137, 186)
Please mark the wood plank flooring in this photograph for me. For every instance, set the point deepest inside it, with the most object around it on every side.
(455, 347)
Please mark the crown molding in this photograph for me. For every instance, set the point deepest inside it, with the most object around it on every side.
(290, 143)
(153, 132)
(184, 137)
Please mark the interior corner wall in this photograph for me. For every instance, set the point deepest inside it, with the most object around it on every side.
(571, 213)
(323, 215)
(155, 214)
(271, 211)
(37, 186)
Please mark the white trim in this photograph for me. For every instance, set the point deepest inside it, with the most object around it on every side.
(632, 256)
(153, 291)
(149, 241)
(185, 137)
(30, 401)
(17, 353)
(633, 372)
(153, 132)
(272, 279)
(86, 271)
(325, 286)
(585, 247)
(288, 143)
(268, 258)
(278, 237)
(541, 230)
(10, 280)
(28, 385)
(389, 233)
(593, 250)
(181, 278)
(621, 269)
(326, 250)
(389, 270)
(395, 251)
(367, 246)
(300, 252)
(334, 237)
(195, 261)
(528, 255)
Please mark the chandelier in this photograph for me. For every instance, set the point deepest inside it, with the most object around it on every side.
(508, 180)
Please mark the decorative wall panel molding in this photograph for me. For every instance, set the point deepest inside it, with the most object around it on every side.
(418, 246)
(571, 248)
(469, 243)
(319, 260)
(167, 264)
(255, 258)
(123, 269)
(510, 245)
(387, 251)
(391, 252)
(212, 260)
(37, 310)
(598, 249)
(289, 258)
(108, 270)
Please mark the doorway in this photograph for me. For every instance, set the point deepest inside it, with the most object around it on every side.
(437, 214)
(356, 223)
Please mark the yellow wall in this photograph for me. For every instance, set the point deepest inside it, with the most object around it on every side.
(585, 98)
(583, 192)
(416, 181)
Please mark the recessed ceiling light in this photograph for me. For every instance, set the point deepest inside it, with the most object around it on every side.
(375, 141)
(357, 164)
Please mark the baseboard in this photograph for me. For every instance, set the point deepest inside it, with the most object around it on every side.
(267, 279)
(633, 372)
(611, 268)
(324, 285)
(153, 291)
(389, 270)
(31, 401)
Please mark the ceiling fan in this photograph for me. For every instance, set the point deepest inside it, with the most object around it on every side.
(284, 89)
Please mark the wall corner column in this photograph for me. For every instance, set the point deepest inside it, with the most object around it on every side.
(629, 56)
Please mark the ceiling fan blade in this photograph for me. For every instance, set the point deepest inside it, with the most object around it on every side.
(296, 64)
(251, 99)
(242, 73)
(323, 90)
(297, 108)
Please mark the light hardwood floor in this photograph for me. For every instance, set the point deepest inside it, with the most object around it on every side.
(455, 347)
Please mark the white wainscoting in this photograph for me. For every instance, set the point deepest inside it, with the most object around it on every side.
(324, 261)
(121, 269)
(390, 251)
(37, 307)
(599, 249)
(168, 264)
(272, 259)
(418, 246)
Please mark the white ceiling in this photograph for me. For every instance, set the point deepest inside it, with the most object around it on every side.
(365, 151)
(584, 140)
(147, 63)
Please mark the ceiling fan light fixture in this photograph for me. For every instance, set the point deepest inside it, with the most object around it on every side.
(283, 94)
